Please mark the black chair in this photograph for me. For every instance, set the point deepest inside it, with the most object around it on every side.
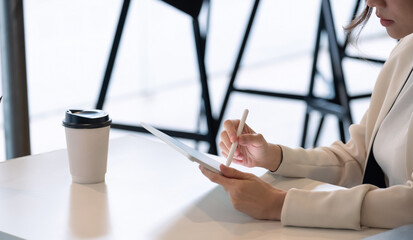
(339, 104)
(192, 8)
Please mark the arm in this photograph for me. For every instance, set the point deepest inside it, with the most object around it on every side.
(390, 207)
(339, 164)
(363, 205)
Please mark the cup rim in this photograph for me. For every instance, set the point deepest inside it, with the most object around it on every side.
(73, 120)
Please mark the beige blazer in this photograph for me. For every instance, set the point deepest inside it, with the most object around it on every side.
(344, 164)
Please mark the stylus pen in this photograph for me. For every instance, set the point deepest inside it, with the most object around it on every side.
(235, 144)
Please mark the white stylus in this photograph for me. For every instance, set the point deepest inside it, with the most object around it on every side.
(235, 144)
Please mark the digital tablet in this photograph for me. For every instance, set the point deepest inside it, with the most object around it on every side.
(187, 151)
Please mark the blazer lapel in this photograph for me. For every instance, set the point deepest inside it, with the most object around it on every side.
(394, 75)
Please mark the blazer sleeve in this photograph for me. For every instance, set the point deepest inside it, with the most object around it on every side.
(340, 164)
(363, 205)
(335, 209)
(360, 205)
(388, 207)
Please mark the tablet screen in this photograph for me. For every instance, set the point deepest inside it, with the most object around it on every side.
(189, 152)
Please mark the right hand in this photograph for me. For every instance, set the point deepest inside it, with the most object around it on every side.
(253, 150)
(249, 193)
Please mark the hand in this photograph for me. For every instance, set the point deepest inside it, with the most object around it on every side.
(253, 150)
(249, 194)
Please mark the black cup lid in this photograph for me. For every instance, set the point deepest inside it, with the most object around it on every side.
(86, 119)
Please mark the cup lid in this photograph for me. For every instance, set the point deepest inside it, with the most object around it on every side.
(94, 118)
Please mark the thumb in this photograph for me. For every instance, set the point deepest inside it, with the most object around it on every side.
(233, 173)
(256, 140)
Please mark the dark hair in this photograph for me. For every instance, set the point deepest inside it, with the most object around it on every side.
(359, 22)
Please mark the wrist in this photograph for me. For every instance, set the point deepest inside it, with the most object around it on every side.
(277, 204)
(277, 158)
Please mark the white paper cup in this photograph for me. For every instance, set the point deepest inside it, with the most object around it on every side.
(87, 140)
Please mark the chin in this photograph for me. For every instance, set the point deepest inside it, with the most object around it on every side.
(396, 34)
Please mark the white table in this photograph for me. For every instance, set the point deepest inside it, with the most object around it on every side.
(151, 192)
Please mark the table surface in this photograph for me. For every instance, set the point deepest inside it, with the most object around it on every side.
(151, 192)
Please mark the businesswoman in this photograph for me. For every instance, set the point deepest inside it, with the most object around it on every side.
(376, 165)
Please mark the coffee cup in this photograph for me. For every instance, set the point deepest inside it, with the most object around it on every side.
(87, 140)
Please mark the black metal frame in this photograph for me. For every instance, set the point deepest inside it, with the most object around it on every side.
(200, 37)
(339, 104)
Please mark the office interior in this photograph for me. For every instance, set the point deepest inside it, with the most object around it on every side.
(155, 78)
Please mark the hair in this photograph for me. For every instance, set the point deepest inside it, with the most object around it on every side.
(359, 22)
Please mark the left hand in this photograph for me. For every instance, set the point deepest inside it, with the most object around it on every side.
(249, 194)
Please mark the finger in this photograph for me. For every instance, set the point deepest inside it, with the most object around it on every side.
(231, 128)
(236, 158)
(225, 139)
(246, 129)
(238, 161)
(238, 151)
(233, 173)
(256, 140)
(226, 145)
(224, 149)
(214, 177)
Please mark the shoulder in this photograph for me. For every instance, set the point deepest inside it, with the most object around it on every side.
(400, 61)
(404, 48)
(408, 39)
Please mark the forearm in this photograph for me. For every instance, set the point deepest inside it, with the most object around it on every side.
(339, 164)
(363, 205)
(275, 157)
(324, 209)
(327, 164)
(389, 207)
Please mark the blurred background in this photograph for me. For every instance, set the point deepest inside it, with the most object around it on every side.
(155, 78)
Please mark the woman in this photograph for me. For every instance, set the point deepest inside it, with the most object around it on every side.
(379, 152)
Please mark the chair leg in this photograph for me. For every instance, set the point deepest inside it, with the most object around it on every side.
(113, 53)
(202, 47)
(326, 24)
(305, 128)
(310, 93)
(238, 61)
(200, 41)
(211, 124)
(342, 130)
(320, 126)
(336, 58)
